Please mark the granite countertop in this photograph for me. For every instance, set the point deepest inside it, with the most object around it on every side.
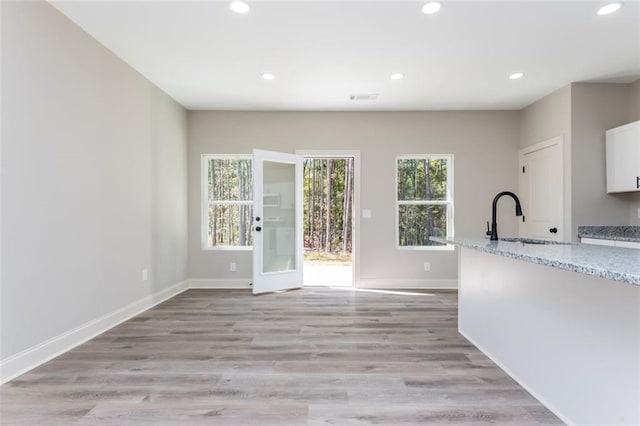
(613, 263)
(618, 233)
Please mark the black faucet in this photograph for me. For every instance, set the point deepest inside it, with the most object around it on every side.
(493, 231)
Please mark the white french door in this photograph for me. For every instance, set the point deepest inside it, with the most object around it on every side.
(277, 221)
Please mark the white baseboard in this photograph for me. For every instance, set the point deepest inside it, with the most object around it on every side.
(212, 283)
(445, 284)
(245, 283)
(30, 358)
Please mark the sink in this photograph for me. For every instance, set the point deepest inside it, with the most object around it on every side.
(530, 241)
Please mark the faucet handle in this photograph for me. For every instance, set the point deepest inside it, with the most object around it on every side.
(488, 229)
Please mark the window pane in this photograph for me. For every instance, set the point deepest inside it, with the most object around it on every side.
(278, 227)
(422, 179)
(418, 223)
(230, 179)
(230, 225)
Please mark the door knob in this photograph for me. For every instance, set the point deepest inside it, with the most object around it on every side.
(553, 230)
(258, 228)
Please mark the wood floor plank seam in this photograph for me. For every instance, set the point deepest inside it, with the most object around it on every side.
(317, 356)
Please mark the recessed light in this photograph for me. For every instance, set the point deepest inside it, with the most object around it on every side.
(268, 76)
(239, 7)
(397, 76)
(609, 8)
(431, 7)
(516, 75)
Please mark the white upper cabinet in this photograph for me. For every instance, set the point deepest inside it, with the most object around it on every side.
(623, 158)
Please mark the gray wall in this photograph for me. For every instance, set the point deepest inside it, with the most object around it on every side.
(634, 101)
(594, 109)
(545, 119)
(582, 112)
(93, 180)
(484, 145)
(634, 115)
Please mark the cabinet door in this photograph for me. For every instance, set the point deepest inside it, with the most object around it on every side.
(623, 158)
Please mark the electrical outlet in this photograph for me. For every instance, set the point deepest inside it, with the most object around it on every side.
(427, 266)
(366, 214)
(145, 275)
(233, 267)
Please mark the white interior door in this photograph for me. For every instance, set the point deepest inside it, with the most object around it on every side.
(277, 221)
(541, 188)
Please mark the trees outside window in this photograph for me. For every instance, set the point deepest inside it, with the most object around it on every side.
(424, 200)
(227, 183)
(328, 203)
(227, 201)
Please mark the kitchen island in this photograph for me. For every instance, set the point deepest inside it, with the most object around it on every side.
(562, 319)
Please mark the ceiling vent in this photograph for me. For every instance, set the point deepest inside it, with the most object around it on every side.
(364, 97)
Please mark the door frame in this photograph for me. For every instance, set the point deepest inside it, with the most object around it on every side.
(557, 140)
(355, 235)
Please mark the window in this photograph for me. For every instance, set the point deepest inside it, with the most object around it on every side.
(227, 201)
(424, 200)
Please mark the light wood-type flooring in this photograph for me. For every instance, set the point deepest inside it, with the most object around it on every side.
(316, 356)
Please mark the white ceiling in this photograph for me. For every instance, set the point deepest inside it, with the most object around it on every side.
(207, 57)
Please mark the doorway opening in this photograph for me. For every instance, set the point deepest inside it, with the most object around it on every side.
(328, 219)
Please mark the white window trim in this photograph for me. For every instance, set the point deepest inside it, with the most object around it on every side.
(204, 200)
(448, 202)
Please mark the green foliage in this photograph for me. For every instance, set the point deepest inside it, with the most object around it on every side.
(230, 194)
(328, 201)
(419, 222)
(331, 257)
(421, 181)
